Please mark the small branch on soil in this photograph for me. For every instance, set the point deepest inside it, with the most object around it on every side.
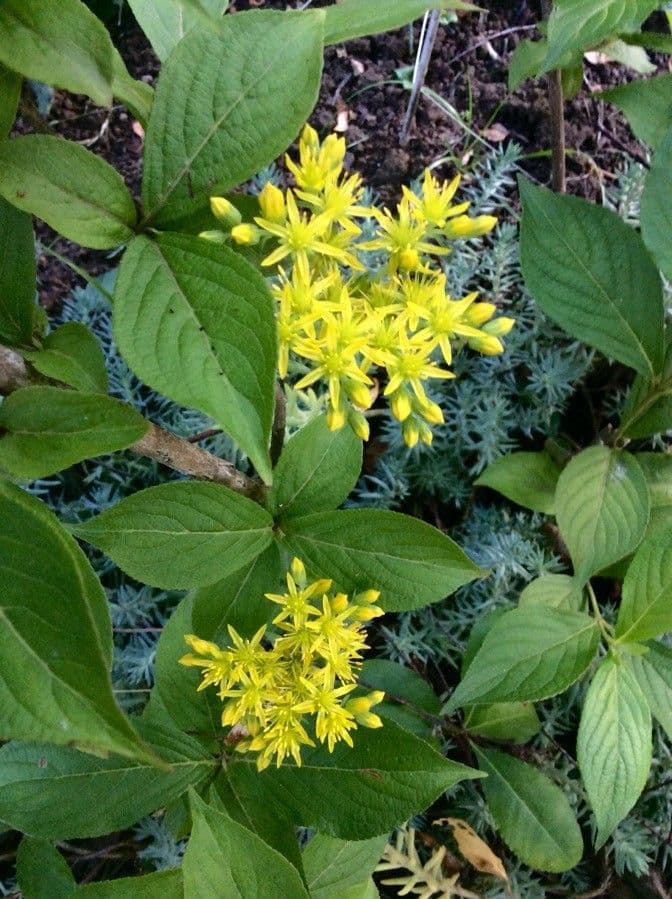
(420, 73)
(157, 444)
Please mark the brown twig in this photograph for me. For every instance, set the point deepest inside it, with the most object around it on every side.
(157, 444)
(556, 105)
(279, 422)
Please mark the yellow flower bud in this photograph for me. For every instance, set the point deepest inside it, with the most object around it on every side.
(359, 424)
(463, 226)
(339, 603)
(500, 327)
(369, 720)
(400, 404)
(366, 613)
(309, 137)
(479, 313)
(410, 432)
(409, 259)
(246, 235)
(425, 433)
(359, 394)
(487, 345)
(225, 211)
(214, 236)
(431, 412)
(272, 203)
(298, 570)
(336, 418)
(368, 596)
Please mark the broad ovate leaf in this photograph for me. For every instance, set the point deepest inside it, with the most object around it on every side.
(72, 354)
(654, 675)
(42, 872)
(227, 103)
(18, 271)
(196, 322)
(531, 813)
(646, 602)
(602, 506)
(47, 429)
(62, 43)
(355, 793)
(528, 654)
(355, 18)
(332, 866)
(528, 479)
(592, 274)
(50, 602)
(159, 885)
(223, 858)
(69, 187)
(580, 25)
(656, 205)
(409, 561)
(316, 471)
(59, 793)
(647, 105)
(555, 591)
(614, 744)
(182, 534)
(165, 22)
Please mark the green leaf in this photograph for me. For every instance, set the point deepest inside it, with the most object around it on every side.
(72, 354)
(356, 18)
(409, 700)
(137, 96)
(62, 43)
(578, 25)
(647, 105)
(165, 22)
(591, 273)
(528, 479)
(532, 814)
(18, 272)
(571, 76)
(635, 58)
(603, 505)
(529, 654)
(613, 746)
(59, 793)
(355, 793)
(181, 534)
(526, 61)
(479, 632)
(225, 859)
(237, 600)
(252, 811)
(656, 206)
(226, 105)
(196, 322)
(71, 189)
(42, 872)
(10, 92)
(317, 470)
(553, 591)
(160, 885)
(332, 866)
(50, 602)
(646, 604)
(410, 562)
(49, 429)
(505, 722)
(654, 676)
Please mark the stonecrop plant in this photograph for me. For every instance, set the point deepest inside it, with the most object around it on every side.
(342, 316)
(270, 745)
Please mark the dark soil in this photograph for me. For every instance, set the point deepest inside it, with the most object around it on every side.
(468, 69)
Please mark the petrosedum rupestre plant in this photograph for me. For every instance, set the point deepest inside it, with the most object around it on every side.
(196, 321)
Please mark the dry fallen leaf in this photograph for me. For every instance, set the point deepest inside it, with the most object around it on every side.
(496, 133)
(474, 849)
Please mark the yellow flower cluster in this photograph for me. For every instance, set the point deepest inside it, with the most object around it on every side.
(308, 669)
(339, 320)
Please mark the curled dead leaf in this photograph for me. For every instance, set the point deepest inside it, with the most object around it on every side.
(474, 849)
